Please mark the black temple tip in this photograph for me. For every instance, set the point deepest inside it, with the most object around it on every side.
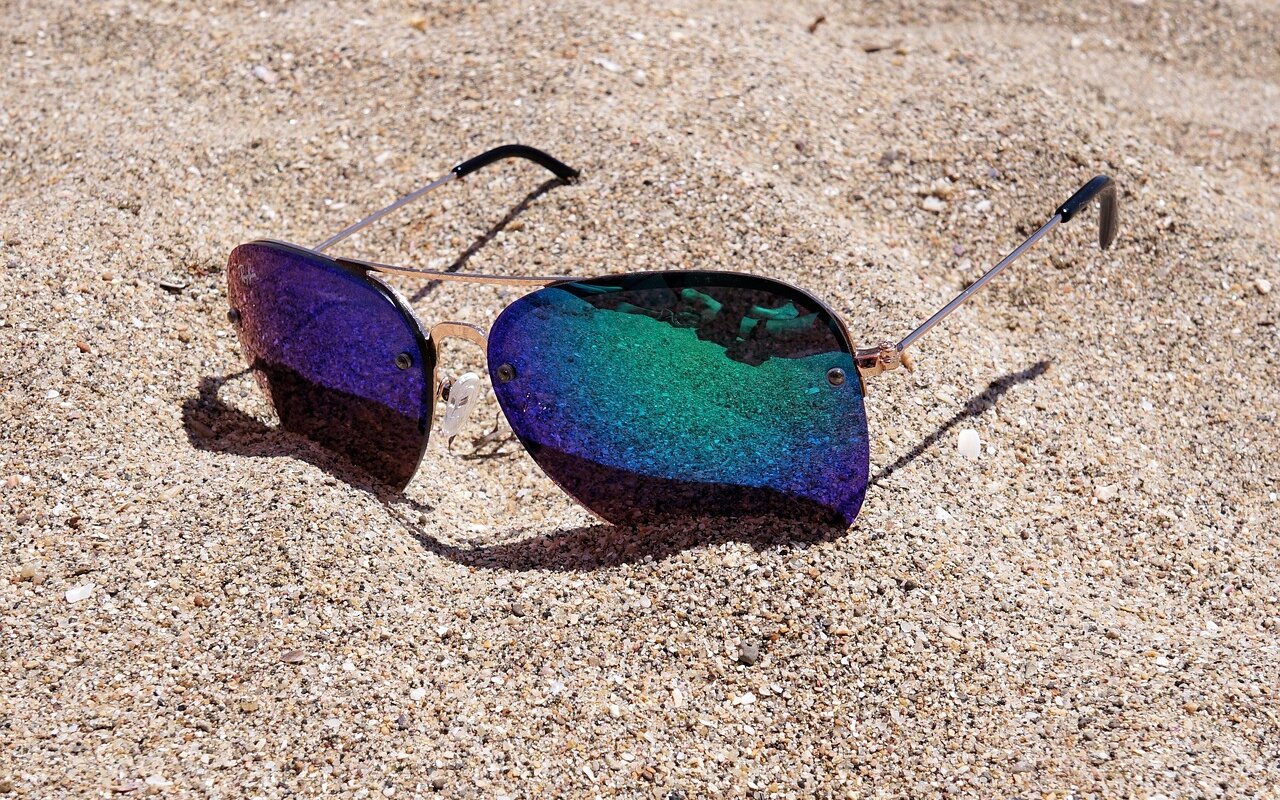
(561, 170)
(1103, 188)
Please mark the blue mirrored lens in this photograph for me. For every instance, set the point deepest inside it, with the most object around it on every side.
(685, 394)
(342, 364)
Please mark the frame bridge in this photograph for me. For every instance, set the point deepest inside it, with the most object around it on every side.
(458, 330)
(452, 330)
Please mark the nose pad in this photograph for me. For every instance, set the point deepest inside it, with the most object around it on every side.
(460, 397)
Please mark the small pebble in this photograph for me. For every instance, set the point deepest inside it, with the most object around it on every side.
(293, 656)
(81, 592)
(1262, 285)
(264, 74)
(970, 445)
(934, 204)
(748, 653)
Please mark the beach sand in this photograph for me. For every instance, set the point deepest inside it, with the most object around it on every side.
(1089, 609)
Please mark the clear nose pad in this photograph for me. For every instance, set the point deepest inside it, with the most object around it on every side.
(460, 397)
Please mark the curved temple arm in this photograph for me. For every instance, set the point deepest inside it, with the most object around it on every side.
(887, 356)
(1103, 188)
(562, 171)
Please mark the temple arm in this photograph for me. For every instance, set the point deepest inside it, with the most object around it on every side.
(887, 356)
(562, 171)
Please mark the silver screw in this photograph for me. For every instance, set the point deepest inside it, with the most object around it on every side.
(836, 376)
(404, 361)
(506, 373)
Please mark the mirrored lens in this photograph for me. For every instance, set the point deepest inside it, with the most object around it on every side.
(685, 394)
(341, 362)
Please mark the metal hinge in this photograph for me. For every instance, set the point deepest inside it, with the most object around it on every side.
(883, 357)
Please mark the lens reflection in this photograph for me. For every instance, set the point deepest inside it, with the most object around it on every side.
(685, 394)
(341, 363)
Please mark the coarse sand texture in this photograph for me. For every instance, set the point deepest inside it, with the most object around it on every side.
(197, 600)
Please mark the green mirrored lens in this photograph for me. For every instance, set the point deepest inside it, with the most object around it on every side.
(685, 394)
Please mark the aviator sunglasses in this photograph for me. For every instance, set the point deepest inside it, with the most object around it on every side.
(644, 396)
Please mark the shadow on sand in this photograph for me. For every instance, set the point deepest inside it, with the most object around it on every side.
(213, 426)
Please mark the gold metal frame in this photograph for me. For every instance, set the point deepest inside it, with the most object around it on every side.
(459, 277)
(451, 330)
(457, 330)
(870, 362)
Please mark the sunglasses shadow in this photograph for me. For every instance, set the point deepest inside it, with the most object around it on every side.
(601, 545)
(216, 427)
(488, 236)
(975, 407)
(213, 426)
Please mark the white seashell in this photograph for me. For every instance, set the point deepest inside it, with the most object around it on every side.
(82, 592)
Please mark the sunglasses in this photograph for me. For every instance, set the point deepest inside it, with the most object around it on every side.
(644, 396)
